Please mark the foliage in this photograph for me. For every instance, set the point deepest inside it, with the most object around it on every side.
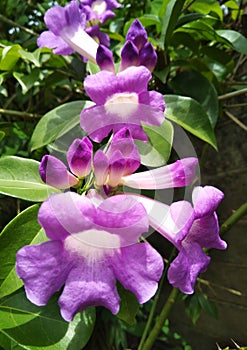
(41, 95)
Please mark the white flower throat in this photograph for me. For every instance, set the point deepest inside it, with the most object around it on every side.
(99, 7)
(122, 104)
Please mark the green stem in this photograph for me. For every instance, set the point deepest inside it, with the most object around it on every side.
(152, 312)
(14, 24)
(234, 218)
(24, 115)
(161, 320)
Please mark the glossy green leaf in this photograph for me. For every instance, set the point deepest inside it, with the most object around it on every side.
(33, 57)
(42, 328)
(24, 229)
(207, 6)
(19, 177)
(27, 81)
(169, 13)
(156, 151)
(10, 56)
(57, 122)
(191, 116)
(193, 84)
(129, 306)
(237, 40)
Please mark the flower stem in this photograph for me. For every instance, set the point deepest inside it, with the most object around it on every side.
(160, 320)
(14, 24)
(24, 115)
(234, 218)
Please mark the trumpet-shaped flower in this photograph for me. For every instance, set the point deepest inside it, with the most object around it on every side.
(99, 10)
(190, 229)
(79, 156)
(67, 32)
(121, 101)
(89, 249)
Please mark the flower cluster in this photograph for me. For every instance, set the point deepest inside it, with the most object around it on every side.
(95, 229)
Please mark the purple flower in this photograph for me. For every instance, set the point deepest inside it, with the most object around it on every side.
(67, 32)
(99, 10)
(121, 101)
(190, 230)
(89, 249)
(98, 36)
(122, 158)
(79, 156)
(137, 50)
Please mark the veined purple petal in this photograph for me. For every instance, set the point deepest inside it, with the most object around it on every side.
(104, 59)
(153, 99)
(179, 174)
(185, 269)
(124, 216)
(101, 167)
(43, 269)
(206, 199)
(137, 34)
(66, 213)
(50, 40)
(148, 56)
(205, 231)
(129, 56)
(138, 267)
(89, 284)
(79, 157)
(53, 172)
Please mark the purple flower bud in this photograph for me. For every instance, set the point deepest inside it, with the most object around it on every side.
(79, 157)
(137, 34)
(116, 169)
(129, 56)
(104, 59)
(101, 165)
(148, 56)
(53, 172)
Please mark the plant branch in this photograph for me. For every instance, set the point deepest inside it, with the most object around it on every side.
(232, 94)
(236, 120)
(14, 24)
(234, 218)
(160, 320)
(24, 115)
(187, 6)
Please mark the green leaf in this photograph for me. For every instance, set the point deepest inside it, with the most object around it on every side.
(156, 151)
(169, 13)
(193, 84)
(10, 56)
(42, 328)
(33, 57)
(192, 307)
(27, 81)
(189, 114)
(24, 229)
(2, 134)
(19, 177)
(207, 6)
(129, 306)
(237, 40)
(207, 305)
(57, 122)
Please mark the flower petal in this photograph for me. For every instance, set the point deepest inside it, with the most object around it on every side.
(205, 232)
(137, 34)
(179, 174)
(184, 270)
(101, 165)
(129, 56)
(53, 172)
(43, 269)
(104, 59)
(66, 213)
(123, 215)
(206, 199)
(89, 284)
(59, 46)
(79, 157)
(138, 267)
(148, 56)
